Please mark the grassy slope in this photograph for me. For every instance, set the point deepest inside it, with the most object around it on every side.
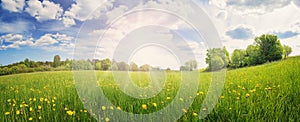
(273, 88)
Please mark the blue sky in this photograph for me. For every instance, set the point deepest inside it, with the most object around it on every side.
(38, 30)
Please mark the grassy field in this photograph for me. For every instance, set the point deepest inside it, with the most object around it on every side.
(269, 92)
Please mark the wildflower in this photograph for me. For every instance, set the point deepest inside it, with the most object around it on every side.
(204, 109)
(144, 106)
(30, 118)
(9, 100)
(106, 119)
(17, 112)
(154, 104)
(222, 97)
(103, 108)
(41, 99)
(21, 106)
(237, 98)
(111, 107)
(195, 114)
(180, 99)
(40, 117)
(168, 98)
(30, 109)
(39, 107)
(234, 91)
(30, 99)
(70, 112)
(84, 111)
(34, 99)
(184, 110)
(119, 108)
(247, 95)
(54, 105)
(201, 93)
(66, 109)
(7, 113)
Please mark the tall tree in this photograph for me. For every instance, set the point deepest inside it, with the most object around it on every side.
(133, 66)
(286, 51)
(270, 47)
(56, 61)
(217, 58)
(238, 58)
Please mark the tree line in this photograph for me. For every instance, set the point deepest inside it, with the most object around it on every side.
(266, 48)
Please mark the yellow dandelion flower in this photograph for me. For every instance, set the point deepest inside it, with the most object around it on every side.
(237, 98)
(53, 109)
(14, 105)
(144, 106)
(239, 94)
(17, 112)
(71, 113)
(204, 109)
(21, 106)
(84, 111)
(184, 110)
(106, 119)
(9, 100)
(168, 98)
(34, 99)
(103, 108)
(30, 118)
(234, 91)
(154, 104)
(54, 105)
(30, 109)
(111, 107)
(40, 117)
(222, 97)
(39, 107)
(180, 99)
(66, 109)
(247, 95)
(201, 93)
(30, 99)
(7, 113)
(195, 114)
(119, 108)
(41, 99)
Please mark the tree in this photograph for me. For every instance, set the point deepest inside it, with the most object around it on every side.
(238, 58)
(26, 62)
(122, 66)
(213, 58)
(286, 51)
(133, 67)
(106, 64)
(191, 65)
(270, 47)
(56, 61)
(145, 67)
(98, 65)
(253, 56)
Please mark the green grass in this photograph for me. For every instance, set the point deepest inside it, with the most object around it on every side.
(269, 92)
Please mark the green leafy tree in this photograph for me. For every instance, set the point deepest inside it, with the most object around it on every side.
(270, 47)
(191, 65)
(56, 61)
(238, 58)
(133, 66)
(145, 67)
(27, 62)
(98, 65)
(286, 51)
(213, 58)
(106, 64)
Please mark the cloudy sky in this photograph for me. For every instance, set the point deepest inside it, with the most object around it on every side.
(38, 30)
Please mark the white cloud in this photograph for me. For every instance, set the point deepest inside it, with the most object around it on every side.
(46, 40)
(45, 10)
(13, 5)
(85, 9)
(251, 6)
(11, 38)
(16, 27)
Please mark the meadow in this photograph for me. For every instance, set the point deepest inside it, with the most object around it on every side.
(269, 92)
